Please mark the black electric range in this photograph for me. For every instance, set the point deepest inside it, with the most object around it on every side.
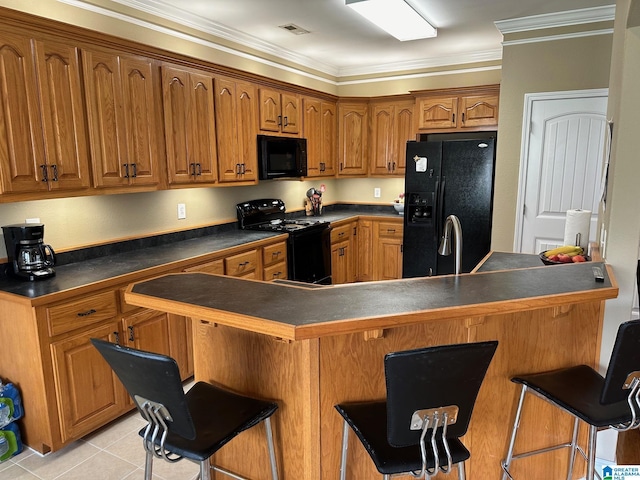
(309, 242)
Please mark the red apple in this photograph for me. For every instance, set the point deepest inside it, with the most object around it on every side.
(578, 258)
(553, 258)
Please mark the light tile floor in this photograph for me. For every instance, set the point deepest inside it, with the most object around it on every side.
(114, 452)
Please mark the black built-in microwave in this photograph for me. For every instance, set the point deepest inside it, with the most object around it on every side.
(281, 157)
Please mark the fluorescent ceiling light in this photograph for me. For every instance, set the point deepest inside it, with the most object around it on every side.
(396, 17)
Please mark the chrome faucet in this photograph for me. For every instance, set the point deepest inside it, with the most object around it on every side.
(445, 242)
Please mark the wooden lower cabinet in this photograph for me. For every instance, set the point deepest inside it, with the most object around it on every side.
(343, 255)
(87, 391)
(388, 250)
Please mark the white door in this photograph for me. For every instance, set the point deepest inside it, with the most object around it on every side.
(561, 165)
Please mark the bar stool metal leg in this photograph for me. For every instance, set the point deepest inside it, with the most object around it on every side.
(205, 470)
(272, 453)
(345, 445)
(148, 466)
(574, 448)
(462, 474)
(516, 424)
(591, 462)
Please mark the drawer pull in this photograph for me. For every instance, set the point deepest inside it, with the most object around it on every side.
(391, 230)
(87, 313)
(243, 264)
(131, 337)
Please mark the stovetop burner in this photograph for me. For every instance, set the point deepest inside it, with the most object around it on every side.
(269, 215)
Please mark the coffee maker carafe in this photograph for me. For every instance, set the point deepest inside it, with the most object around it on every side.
(29, 257)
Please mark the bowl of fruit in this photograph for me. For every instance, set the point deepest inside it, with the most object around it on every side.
(564, 254)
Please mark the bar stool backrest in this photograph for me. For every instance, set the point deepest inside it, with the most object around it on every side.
(153, 377)
(433, 377)
(625, 359)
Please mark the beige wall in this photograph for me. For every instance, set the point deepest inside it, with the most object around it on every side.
(620, 219)
(549, 66)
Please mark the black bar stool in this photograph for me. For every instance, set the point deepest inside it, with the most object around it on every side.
(194, 425)
(430, 397)
(609, 402)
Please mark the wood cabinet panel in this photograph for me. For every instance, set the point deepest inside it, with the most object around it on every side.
(189, 120)
(65, 135)
(147, 330)
(353, 138)
(343, 253)
(279, 111)
(392, 125)
(241, 264)
(236, 105)
(85, 311)
(274, 253)
(277, 271)
(122, 114)
(473, 108)
(87, 391)
(387, 252)
(216, 266)
(42, 124)
(320, 128)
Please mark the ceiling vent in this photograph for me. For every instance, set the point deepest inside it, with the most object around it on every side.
(295, 29)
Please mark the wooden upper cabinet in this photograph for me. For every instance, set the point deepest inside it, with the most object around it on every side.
(189, 126)
(236, 106)
(391, 126)
(279, 111)
(124, 126)
(320, 128)
(42, 125)
(353, 138)
(462, 109)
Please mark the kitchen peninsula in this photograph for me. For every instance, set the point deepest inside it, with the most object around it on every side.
(312, 347)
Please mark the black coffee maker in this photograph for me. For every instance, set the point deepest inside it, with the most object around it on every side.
(29, 257)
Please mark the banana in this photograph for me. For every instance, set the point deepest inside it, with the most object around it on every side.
(566, 249)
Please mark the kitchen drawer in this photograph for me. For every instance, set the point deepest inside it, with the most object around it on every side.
(124, 306)
(217, 267)
(241, 264)
(276, 272)
(274, 253)
(390, 230)
(80, 313)
(338, 234)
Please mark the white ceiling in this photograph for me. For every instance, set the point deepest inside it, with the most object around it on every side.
(341, 43)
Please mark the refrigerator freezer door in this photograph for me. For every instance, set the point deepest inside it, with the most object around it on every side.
(467, 172)
(420, 211)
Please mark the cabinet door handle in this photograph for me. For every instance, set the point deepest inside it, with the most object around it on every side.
(131, 336)
(286, 121)
(238, 169)
(87, 313)
(462, 117)
(135, 170)
(243, 168)
(117, 335)
(453, 118)
(388, 166)
(192, 166)
(340, 166)
(126, 170)
(198, 169)
(394, 167)
(55, 172)
(279, 120)
(45, 173)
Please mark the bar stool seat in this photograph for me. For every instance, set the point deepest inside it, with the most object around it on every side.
(601, 402)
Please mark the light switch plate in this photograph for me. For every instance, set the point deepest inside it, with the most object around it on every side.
(376, 192)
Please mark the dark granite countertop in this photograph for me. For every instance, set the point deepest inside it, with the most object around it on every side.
(297, 313)
(85, 267)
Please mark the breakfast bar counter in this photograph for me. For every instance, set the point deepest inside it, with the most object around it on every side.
(312, 347)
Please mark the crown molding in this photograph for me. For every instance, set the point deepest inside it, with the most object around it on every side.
(555, 20)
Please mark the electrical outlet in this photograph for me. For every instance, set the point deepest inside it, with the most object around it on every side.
(32, 220)
(376, 192)
(182, 211)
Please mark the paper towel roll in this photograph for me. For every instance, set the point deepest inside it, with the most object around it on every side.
(578, 222)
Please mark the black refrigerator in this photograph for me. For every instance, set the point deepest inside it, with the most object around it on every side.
(447, 177)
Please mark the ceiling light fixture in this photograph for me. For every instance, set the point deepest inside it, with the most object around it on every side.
(396, 17)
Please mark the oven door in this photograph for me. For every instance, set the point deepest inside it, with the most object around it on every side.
(309, 255)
